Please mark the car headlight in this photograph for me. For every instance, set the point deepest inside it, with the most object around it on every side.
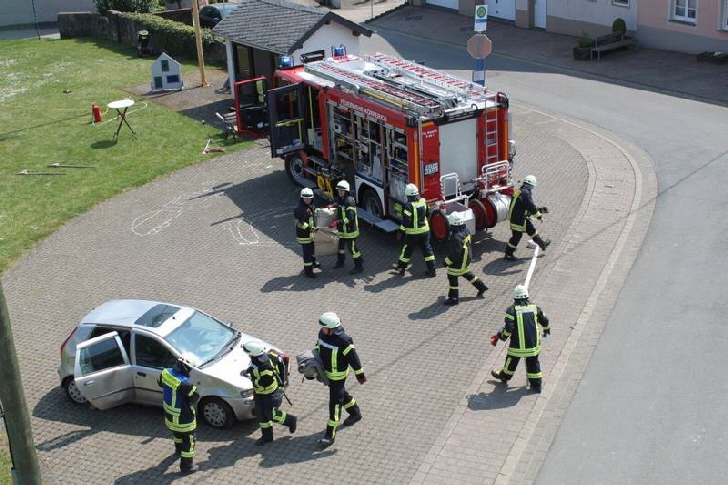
(246, 393)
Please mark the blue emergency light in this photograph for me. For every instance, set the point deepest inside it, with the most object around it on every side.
(339, 51)
(285, 61)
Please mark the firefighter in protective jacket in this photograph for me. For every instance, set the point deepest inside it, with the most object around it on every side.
(268, 376)
(521, 324)
(347, 223)
(305, 229)
(337, 351)
(415, 230)
(180, 398)
(521, 210)
(459, 256)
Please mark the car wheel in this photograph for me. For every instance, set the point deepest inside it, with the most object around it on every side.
(439, 226)
(295, 169)
(370, 202)
(217, 413)
(69, 384)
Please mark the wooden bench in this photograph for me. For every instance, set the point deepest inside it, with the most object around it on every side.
(610, 42)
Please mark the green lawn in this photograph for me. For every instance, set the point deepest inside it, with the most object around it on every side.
(41, 125)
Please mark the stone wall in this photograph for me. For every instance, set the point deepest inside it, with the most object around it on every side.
(124, 31)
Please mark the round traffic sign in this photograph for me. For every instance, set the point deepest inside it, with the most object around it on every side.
(479, 46)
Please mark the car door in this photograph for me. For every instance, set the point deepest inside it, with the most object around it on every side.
(286, 119)
(150, 355)
(103, 372)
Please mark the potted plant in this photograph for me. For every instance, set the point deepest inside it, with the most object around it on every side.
(584, 44)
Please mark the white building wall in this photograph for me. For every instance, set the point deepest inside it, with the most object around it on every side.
(14, 12)
(599, 12)
(333, 34)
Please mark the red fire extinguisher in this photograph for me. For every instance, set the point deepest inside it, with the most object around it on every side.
(96, 113)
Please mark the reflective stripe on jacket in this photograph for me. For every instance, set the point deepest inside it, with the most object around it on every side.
(414, 217)
(521, 325)
(305, 223)
(459, 252)
(264, 375)
(521, 207)
(178, 390)
(348, 220)
(338, 353)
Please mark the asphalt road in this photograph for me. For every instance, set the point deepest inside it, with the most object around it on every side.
(649, 408)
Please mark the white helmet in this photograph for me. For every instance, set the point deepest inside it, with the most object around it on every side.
(520, 292)
(411, 190)
(456, 219)
(343, 184)
(307, 193)
(329, 320)
(254, 348)
(530, 180)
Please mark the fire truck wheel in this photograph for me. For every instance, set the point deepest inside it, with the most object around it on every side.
(294, 169)
(481, 215)
(439, 226)
(371, 203)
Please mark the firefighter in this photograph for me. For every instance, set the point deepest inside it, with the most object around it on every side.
(180, 398)
(337, 352)
(521, 209)
(415, 231)
(521, 325)
(305, 228)
(459, 256)
(268, 379)
(347, 223)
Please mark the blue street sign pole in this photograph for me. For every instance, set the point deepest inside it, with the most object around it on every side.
(479, 72)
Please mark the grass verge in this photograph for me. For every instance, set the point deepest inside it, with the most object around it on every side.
(41, 125)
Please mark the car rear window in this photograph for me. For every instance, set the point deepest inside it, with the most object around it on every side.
(157, 315)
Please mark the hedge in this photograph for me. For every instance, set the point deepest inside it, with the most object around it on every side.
(174, 38)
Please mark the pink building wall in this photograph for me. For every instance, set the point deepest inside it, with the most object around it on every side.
(656, 28)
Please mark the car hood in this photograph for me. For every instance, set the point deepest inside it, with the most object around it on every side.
(229, 367)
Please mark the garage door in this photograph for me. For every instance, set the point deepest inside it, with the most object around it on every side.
(503, 9)
(453, 4)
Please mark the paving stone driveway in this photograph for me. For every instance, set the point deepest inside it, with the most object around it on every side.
(219, 236)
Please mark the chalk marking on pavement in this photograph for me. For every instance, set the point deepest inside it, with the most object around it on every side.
(531, 267)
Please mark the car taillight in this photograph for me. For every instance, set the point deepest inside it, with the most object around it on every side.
(63, 345)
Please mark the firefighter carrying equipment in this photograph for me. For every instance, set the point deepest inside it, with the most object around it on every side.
(267, 373)
(520, 211)
(338, 354)
(311, 367)
(254, 348)
(522, 320)
(303, 216)
(329, 320)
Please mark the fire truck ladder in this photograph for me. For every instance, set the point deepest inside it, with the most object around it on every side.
(417, 72)
(491, 136)
(378, 89)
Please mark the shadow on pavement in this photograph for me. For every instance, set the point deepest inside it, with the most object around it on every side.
(155, 474)
(500, 397)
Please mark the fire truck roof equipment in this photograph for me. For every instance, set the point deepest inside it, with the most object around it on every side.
(404, 84)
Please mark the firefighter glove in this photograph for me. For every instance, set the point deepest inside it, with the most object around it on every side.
(545, 210)
(494, 339)
(546, 332)
(361, 378)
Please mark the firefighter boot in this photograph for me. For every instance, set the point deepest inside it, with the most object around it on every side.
(291, 422)
(267, 436)
(431, 273)
(535, 385)
(509, 254)
(187, 466)
(451, 301)
(498, 375)
(542, 243)
(481, 288)
(316, 264)
(399, 267)
(358, 266)
(328, 438)
(339, 261)
(354, 416)
(308, 271)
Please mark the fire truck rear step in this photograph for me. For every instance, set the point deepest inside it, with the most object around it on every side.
(385, 225)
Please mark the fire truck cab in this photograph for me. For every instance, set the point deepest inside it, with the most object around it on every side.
(381, 122)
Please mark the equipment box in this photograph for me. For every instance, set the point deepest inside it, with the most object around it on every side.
(325, 242)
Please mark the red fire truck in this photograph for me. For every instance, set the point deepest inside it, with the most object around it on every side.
(381, 122)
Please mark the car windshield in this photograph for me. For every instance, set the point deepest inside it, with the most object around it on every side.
(202, 336)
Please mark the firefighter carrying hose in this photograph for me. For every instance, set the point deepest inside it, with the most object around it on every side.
(337, 352)
(268, 376)
(458, 259)
(521, 325)
(305, 228)
(415, 231)
(347, 223)
(180, 398)
(521, 210)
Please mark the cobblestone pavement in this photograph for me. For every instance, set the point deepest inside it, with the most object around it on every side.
(219, 236)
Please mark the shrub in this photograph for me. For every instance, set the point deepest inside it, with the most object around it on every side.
(126, 5)
(619, 26)
(584, 40)
(174, 38)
